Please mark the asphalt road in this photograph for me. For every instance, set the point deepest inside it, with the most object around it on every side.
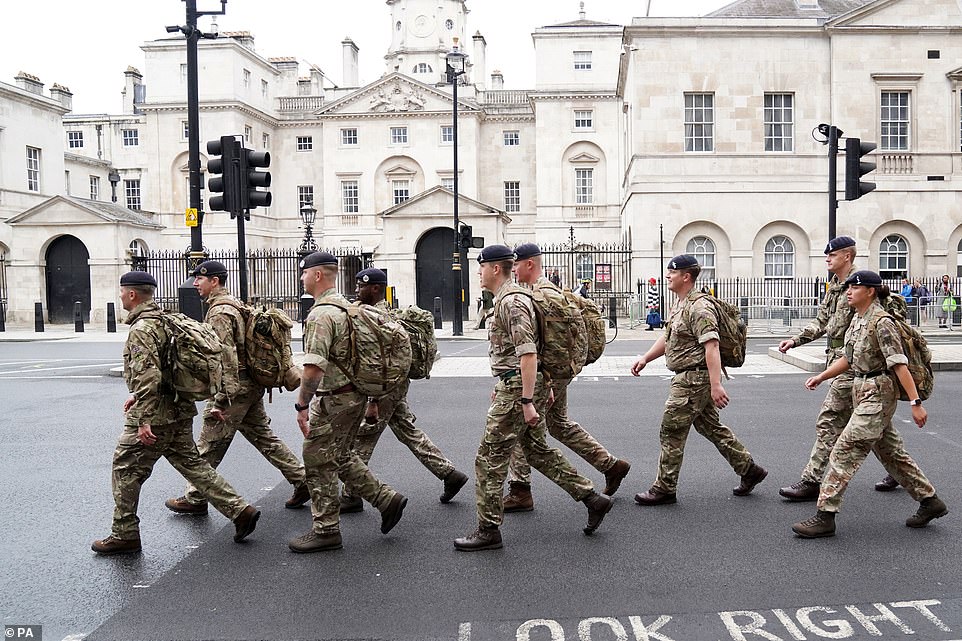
(712, 567)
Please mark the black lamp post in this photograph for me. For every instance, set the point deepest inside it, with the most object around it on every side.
(455, 69)
(308, 216)
(114, 178)
(188, 297)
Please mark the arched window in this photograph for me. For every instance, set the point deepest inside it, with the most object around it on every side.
(584, 268)
(958, 260)
(893, 257)
(779, 257)
(422, 67)
(703, 249)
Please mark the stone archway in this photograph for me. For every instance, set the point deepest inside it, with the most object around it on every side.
(68, 279)
(434, 276)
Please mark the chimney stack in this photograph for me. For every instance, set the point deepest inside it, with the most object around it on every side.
(478, 60)
(497, 80)
(132, 80)
(349, 73)
(29, 82)
(62, 95)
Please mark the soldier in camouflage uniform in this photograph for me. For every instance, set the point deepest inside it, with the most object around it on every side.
(690, 348)
(874, 352)
(394, 411)
(239, 406)
(528, 269)
(336, 408)
(157, 424)
(513, 415)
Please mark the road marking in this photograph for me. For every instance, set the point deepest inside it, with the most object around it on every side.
(33, 370)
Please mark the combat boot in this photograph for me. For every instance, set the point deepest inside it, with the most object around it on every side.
(484, 538)
(801, 491)
(453, 483)
(518, 498)
(615, 475)
(598, 505)
(822, 524)
(351, 504)
(755, 475)
(245, 523)
(392, 513)
(930, 508)
(113, 545)
(182, 506)
(301, 495)
(314, 542)
(655, 496)
(887, 484)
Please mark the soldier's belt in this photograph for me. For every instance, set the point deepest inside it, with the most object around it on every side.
(870, 374)
(835, 343)
(701, 368)
(340, 390)
(507, 376)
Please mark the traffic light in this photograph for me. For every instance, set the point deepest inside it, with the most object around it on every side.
(222, 177)
(464, 236)
(251, 179)
(855, 168)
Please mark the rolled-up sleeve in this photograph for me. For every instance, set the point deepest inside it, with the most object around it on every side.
(521, 321)
(704, 321)
(890, 343)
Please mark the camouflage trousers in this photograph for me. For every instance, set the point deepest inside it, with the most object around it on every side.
(870, 430)
(133, 462)
(568, 433)
(395, 412)
(328, 454)
(832, 418)
(246, 415)
(505, 426)
(690, 403)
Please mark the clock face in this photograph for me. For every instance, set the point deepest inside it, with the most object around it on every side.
(449, 24)
(422, 26)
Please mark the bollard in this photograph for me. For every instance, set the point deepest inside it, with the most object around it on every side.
(613, 311)
(38, 317)
(743, 309)
(111, 319)
(437, 312)
(306, 302)
(787, 320)
(3, 316)
(78, 316)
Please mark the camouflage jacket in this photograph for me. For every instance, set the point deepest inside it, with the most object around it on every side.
(833, 317)
(228, 323)
(871, 351)
(513, 330)
(143, 372)
(691, 323)
(327, 340)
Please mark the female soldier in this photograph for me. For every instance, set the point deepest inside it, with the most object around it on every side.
(873, 349)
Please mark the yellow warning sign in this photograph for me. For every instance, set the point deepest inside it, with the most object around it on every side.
(190, 217)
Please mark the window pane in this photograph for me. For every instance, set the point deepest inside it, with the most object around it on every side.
(703, 249)
(699, 122)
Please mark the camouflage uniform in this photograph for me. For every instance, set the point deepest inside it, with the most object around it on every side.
(691, 323)
(335, 416)
(171, 421)
(833, 318)
(564, 429)
(241, 400)
(871, 353)
(513, 333)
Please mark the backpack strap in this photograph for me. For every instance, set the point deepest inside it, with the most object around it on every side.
(539, 317)
(351, 340)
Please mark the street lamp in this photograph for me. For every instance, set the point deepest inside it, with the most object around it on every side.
(114, 178)
(308, 216)
(455, 68)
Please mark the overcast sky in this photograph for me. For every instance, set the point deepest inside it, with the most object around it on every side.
(87, 44)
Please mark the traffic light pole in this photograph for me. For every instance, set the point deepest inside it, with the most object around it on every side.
(457, 328)
(833, 135)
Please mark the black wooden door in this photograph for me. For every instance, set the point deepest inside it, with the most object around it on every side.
(435, 278)
(68, 279)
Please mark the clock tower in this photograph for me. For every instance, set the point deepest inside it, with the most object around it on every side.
(422, 33)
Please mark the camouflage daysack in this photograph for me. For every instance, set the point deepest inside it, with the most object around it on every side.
(379, 355)
(563, 347)
(732, 331)
(419, 324)
(191, 357)
(267, 346)
(594, 325)
(916, 350)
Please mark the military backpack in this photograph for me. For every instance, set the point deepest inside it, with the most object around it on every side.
(916, 350)
(191, 357)
(732, 331)
(267, 346)
(419, 324)
(379, 350)
(595, 325)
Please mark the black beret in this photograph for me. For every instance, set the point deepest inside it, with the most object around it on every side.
(318, 258)
(684, 261)
(372, 276)
(865, 278)
(524, 251)
(495, 253)
(841, 242)
(210, 268)
(137, 278)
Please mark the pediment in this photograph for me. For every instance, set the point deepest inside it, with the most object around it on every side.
(437, 201)
(67, 211)
(393, 94)
(400, 171)
(584, 157)
(955, 74)
(903, 13)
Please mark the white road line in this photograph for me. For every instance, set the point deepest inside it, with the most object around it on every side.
(54, 369)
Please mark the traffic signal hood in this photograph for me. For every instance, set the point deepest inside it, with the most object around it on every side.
(221, 183)
(855, 168)
(252, 178)
(467, 241)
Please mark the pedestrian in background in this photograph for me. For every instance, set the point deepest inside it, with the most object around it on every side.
(874, 351)
(653, 319)
(945, 302)
(583, 289)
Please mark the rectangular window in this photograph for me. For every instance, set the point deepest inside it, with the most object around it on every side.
(247, 78)
(582, 60)
(779, 122)
(75, 139)
(132, 193)
(248, 134)
(66, 182)
(448, 183)
(512, 196)
(95, 188)
(349, 137)
(131, 137)
(399, 135)
(305, 196)
(184, 129)
(266, 141)
(584, 186)
(33, 169)
(402, 191)
(894, 120)
(447, 134)
(183, 74)
(305, 143)
(349, 196)
(583, 118)
(699, 122)
(265, 89)
(512, 138)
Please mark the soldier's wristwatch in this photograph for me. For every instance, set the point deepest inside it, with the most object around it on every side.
(526, 401)
(300, 408)
(917, 401)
